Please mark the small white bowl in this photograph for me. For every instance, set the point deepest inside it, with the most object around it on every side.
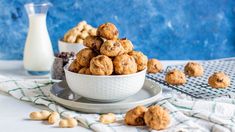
(105, 88)
(69, 47)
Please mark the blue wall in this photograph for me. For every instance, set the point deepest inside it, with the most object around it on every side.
(166, 29)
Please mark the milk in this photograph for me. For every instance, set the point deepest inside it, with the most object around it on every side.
(38, 53)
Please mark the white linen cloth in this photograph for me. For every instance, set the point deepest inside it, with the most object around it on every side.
(187, 114)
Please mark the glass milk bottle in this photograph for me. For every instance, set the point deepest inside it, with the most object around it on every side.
(38, 52)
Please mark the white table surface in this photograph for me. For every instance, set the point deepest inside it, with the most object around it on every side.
(14, 113)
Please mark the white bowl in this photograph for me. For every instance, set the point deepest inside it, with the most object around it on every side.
(105, 88)
(69, 47)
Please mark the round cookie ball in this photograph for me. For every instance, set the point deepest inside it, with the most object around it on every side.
(85, 70)
(124, 64)
(175, 77)
(157, 118)
(84, 56)
(219, 80)
(93, 42)
(135, 117)
(74, 66)
(154, 66)
(108, 31)
(101, 65)
(193, 69)
(140, 59)
(82, 70)
(111, 48)
(126, 44)
(88, 72)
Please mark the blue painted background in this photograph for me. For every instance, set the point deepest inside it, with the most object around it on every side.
(166, 29)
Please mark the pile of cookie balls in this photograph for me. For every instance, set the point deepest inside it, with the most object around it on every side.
(193, 69)
(106, 54)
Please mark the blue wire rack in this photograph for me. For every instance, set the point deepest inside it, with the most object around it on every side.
(198, 87)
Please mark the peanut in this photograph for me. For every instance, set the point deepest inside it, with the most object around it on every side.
(82, 24)
(42, 115)
(79, 40)
(87, 27)
(53, 118)
(84, 34)
(92, 32)
(68, 123)
(107, 118)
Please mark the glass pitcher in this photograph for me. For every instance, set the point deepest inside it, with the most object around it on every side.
(38, 52)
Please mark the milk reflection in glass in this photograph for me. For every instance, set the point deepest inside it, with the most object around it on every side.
(38, 53)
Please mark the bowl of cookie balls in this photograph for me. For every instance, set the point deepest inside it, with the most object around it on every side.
(72, 40)
(108, 69)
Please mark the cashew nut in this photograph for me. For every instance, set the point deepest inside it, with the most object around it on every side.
(79, 40)
(42, 115)
(92, 32)
(68, 123)
(107, 118)
(53, 118)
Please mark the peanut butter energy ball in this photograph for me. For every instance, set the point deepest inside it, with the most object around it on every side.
(154, 66)
(85, 70)
(126, 44)
(140, 59)
(84, 56)
(74, 66)
(124, 64)
(157, 118)
(135, 117)
(101, 65)
(93, 42)
(193, 69)
(111, 48)
(175, 77)
(219, 80)
(108, 31)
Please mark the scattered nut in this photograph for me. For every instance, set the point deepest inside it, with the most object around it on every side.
(42, 115)
(68, 123)
(53, 118)
(108, 118)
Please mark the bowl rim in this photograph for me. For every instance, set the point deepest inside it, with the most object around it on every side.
(104, 76)
(63, 42)
(157, 96)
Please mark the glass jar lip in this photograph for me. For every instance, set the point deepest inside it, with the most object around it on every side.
(38, 4)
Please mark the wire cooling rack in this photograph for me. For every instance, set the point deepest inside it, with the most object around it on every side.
(198, 87)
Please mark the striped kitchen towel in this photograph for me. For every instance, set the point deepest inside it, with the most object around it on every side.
(217, 115)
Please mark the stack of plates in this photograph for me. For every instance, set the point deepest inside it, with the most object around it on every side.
(148, 95)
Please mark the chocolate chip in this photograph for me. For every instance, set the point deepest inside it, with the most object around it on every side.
(140, 121)
(219, 80)
(170, 73)
(155, 66)
(101, 58)
(123, 39)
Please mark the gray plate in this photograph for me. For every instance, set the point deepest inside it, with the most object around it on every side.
(61, 94)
